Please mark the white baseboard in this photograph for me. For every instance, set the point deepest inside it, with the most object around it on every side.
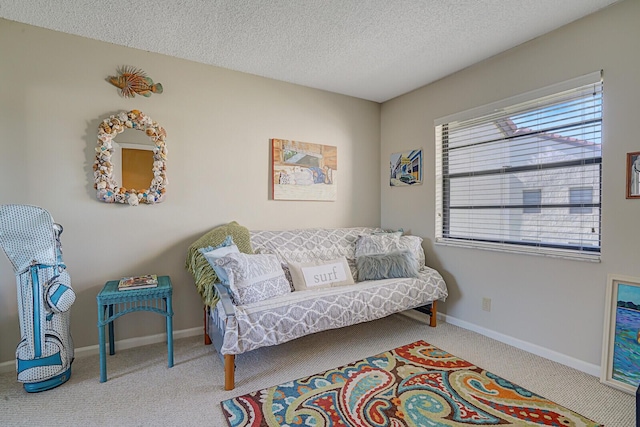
(7, 366)
(121, 345)
(522, 345)
(572, 362)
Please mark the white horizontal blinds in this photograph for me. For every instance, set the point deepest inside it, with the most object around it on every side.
(526, 174)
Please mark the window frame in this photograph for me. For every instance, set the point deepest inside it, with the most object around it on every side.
(579, 192)
(532, 208)
(569, 251)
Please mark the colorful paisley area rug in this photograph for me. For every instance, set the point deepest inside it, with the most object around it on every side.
(414, 385)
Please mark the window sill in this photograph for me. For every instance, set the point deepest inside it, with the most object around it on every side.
(523, 250)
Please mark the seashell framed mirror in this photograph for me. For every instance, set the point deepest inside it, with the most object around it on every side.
(131, 172)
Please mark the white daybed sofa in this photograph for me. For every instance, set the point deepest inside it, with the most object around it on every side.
(235, 328)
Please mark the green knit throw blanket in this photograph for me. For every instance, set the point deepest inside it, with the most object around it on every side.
(200, 268)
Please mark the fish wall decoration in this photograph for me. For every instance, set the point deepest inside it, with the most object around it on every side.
(131, 80)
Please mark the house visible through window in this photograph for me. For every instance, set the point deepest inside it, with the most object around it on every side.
(537, 153)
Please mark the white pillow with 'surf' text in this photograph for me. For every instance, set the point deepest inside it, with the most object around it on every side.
(320, 274)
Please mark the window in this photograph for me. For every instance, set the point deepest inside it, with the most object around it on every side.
(531, 197)
(537, 153)
(581, 200)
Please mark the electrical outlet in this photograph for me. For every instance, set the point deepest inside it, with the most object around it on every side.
(486, 304)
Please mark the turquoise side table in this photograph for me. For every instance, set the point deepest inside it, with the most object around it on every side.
(113, 303)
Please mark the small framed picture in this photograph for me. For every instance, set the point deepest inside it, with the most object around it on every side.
(405, 168)
(633, 175)
(621, 337)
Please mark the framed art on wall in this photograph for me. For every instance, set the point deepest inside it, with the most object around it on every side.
(633, 175)
(405, 168)
(621, 337)
(303, 170)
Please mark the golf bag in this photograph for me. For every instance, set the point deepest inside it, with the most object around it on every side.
(31, 241)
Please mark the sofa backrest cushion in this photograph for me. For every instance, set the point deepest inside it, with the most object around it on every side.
(305, 245)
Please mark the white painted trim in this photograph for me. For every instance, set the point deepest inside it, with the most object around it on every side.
(120, 345)
(483, 110)
(572, 362)
(7, 366)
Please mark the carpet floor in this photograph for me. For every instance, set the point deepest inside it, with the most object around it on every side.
(142, 391)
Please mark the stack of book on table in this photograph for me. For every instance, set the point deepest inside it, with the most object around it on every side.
(138, 282)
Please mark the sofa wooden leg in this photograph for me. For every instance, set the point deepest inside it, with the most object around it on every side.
(229, 371)
(433, 318)
(207, 340)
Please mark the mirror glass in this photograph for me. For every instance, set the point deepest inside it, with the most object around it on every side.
(130, 159)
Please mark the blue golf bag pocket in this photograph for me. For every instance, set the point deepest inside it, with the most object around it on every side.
(51, 362)
(59, 297)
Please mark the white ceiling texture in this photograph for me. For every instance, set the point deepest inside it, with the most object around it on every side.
(370, 49)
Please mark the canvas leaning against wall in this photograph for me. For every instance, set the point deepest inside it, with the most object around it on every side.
(303, 170)
(621, 342)
(405, 168)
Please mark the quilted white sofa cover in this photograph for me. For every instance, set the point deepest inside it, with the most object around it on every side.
(236, 329)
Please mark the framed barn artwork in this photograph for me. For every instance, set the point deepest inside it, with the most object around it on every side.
(303, 170)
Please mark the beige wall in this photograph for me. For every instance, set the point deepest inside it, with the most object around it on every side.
(552, 306)
(53, 94)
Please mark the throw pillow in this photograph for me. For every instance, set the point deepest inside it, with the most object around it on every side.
(287, 275)
(212, 253)
(203, 275)
(385, 243)
(228, 241)
(387, 266)
(320, 274)
(372, 244)
(414, 244)
(283, 264)
(398, 232)
(253, 278)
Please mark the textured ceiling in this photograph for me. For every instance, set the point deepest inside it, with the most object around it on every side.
(370, 49)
